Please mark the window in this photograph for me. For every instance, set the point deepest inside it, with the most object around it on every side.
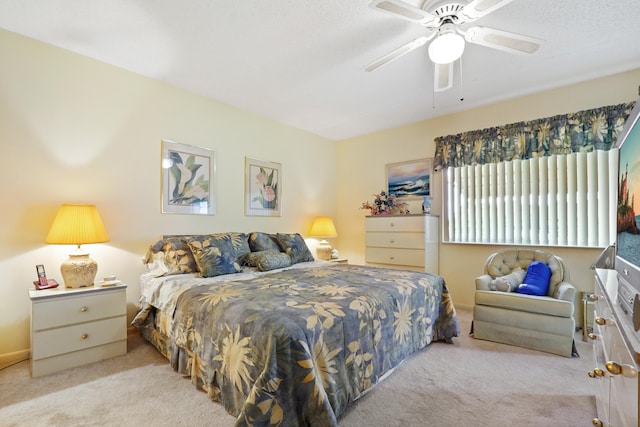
(561, 200)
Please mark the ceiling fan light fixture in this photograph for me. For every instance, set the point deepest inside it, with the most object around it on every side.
(447, 46)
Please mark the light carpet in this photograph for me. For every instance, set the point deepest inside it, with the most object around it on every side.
(470, 383)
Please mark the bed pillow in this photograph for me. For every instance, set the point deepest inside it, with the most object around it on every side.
(294, 246)
(171, 255)
(262, 242)
(509, 282)
(214, 255)
(267, 260)
(536, 282)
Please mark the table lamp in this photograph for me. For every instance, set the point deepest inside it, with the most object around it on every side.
(76, 225)
(323, 227)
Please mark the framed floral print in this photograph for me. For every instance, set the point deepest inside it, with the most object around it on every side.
(411, 179)
(262, 187)
(188, 178)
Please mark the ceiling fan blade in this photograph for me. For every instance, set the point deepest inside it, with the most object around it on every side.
(479, 8)
(443, 77)
(404, 10)
(397, 53)
(502, 40)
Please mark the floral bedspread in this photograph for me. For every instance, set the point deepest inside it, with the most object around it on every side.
(297, 346)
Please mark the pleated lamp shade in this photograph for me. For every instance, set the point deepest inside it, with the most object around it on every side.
(323, 227)
(77, 225)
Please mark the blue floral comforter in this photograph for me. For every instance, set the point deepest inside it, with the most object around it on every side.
(295, 347)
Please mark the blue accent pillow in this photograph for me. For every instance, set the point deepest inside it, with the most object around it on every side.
(294, 246)
(536, 282)
(214, 255)
(259, 241)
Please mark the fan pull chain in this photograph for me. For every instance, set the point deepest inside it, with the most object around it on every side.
(461, 88)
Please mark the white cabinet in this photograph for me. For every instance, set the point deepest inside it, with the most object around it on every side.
(72, 327)
(617, 351)
(403, 241)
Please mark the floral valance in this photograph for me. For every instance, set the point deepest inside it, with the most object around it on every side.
(588, 130)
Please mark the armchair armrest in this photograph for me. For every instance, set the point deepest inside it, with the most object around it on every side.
(565, 291)
(483, 282)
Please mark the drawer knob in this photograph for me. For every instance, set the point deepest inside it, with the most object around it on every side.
(596, 373)
(84, 336)
(592, 297)
(83, 309)
(624, 370)
(596, 422)
(391, 257)
(592, 336)
(600, 321)
(392, 224)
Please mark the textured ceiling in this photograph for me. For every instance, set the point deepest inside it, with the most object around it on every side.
(300, 62)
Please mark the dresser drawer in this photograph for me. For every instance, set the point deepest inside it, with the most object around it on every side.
(51, 313)
(411, 257)
(395, 240)
(78, 337)
(407, 223)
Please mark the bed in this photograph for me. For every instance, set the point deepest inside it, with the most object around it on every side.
(277, 337)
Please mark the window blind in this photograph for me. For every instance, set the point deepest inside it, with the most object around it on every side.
(561, 200)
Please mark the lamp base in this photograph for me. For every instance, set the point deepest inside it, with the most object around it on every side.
(78, 271)
(323, 251)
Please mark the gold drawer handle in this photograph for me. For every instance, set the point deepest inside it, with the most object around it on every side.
(593, 297)
(600, 321)
(84, 309)
(625, 370)
(596, 422)
(592, 336)
(84, 336)
(596, 373)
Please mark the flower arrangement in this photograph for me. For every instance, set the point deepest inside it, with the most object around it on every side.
(268, 186)
(386, 204)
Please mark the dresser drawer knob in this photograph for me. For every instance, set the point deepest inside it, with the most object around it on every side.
(392, 224)
(592, 336)
(600, 321)
(84, 309)
(84, 336)
(596, 422)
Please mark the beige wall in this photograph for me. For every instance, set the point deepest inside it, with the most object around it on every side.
(74, 130)
(361, 172)
(79, 131)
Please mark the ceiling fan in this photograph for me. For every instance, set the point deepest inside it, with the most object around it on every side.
(444, 18)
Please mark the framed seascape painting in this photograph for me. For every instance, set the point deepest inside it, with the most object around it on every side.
(411, 179)
(262, 188)
(188, 175)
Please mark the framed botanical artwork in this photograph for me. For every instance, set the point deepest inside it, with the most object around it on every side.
(188, 179)
(262, 188)
(411, 179)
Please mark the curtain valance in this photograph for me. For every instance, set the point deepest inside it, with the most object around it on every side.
(584, 131)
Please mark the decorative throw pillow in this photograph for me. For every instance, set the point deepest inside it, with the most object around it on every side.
(509, 282)
(536, 282)
(267, 260)
(214, 255)
(259, 241)
(171, 255)
(294, 246)
(239, 242)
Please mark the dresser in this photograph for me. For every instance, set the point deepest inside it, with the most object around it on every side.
(72, 327)
(617, 354)
(403, 241)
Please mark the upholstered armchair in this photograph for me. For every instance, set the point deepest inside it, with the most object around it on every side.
(540, 322)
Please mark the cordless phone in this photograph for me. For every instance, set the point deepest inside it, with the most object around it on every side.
(43, 282)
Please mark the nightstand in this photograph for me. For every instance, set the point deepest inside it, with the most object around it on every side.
(340, 260)
(72, 327)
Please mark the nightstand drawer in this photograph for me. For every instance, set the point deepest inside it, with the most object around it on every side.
(72, 309)
(77, 337)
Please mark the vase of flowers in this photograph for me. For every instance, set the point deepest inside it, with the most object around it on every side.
(386, 204)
